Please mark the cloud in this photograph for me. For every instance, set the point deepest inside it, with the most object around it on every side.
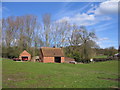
(106, 45)
(103, 27)
(97, 15)
(106, 42)
(64, 11)
(84, 19)
(102, 39)
(107, 7)
(5, 9)
(79, 19)
(94, 14)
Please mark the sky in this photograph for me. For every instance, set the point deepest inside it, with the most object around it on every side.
(102, 17)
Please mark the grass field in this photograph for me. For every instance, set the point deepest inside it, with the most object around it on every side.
(101, 56)
(53, 75)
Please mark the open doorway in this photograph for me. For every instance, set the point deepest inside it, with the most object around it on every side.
(58, 59)
(24, 58)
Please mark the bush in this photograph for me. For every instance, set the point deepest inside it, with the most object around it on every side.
(76, 56)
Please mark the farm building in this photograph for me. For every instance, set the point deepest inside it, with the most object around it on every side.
(35, 59)
(25, 56)
(67, 59)
(51, 55)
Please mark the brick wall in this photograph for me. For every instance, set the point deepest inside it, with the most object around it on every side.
(29, 57)
(67, 59)
(62, 59)
(48, 59)
(25, 53)
(51, 60)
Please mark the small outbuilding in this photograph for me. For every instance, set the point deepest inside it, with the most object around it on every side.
(35, 59)
(51, 55)
(25, 56)
(68, 59)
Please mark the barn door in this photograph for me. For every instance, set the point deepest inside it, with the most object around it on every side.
(24, 58)
(58, 59)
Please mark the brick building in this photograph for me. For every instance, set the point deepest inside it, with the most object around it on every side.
(68, 59)
(51, 55)
(25, 56)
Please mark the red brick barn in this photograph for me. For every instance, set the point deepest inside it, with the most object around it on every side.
(25, 56)
(51, 55)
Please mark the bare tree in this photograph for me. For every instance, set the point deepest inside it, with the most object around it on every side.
(74, 38)
(25, 32)
(59, 34)
(47, 23)
(9, 29)
(37, 38)
(21, 39)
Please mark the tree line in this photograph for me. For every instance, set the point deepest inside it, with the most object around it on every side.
(28, 33)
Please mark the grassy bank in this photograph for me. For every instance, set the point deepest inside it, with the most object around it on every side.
(101, 56)
(53, 75)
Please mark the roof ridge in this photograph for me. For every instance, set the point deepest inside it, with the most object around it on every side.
(50, 47)
(49, 51)
(25, 52)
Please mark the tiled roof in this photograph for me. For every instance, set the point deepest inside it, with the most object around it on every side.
(52, 52)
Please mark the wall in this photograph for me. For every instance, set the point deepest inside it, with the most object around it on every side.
(20, 57)
(48, 59)
(67, 59)
(51, 59)
(62, 59)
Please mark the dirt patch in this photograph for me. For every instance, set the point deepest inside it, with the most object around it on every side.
(116, 88)
(117, 79)
(42, 81)
(11, 79)
(15, 77)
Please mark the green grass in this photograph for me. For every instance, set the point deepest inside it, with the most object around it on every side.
(101, 56)
(53, 75)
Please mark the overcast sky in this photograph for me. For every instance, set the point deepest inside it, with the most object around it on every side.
(102, 17)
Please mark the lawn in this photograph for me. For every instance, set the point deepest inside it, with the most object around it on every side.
(101, 56)
(53, 75)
